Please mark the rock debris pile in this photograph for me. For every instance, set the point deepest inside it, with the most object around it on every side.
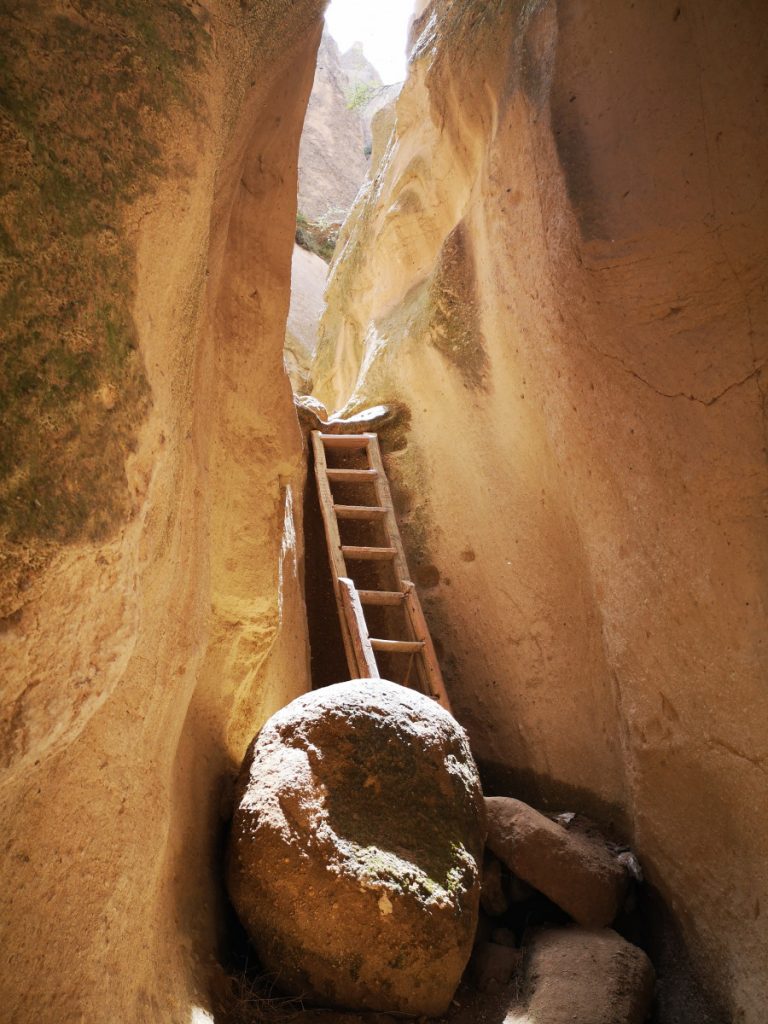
(550, 891)
(355, 860)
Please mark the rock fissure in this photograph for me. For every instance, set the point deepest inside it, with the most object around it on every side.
(752, 375)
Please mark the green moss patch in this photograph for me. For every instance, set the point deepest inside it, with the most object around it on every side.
(84, 98)
(451, 312)
(319, 237)
(403, 781)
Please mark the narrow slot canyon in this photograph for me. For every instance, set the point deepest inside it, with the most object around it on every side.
(537, 270)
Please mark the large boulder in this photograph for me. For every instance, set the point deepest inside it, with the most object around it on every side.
(583, 976)
(356, 845)
(576, 871)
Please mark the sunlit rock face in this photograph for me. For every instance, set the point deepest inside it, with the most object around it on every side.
(150, 537)
(332, 161)
(560, 267)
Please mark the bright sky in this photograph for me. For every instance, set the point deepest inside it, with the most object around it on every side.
(382, 28)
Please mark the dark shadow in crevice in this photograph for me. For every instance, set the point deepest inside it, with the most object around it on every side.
(328, 661)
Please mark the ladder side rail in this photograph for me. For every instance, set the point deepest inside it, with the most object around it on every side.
(358, 631)
(418, 664)
(420, 628)
(333, 543)
(384, 498)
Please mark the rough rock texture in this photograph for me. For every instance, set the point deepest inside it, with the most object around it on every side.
(332, 161)
(151, 157)
(580, 976)
(309, 274)
(355, 848)
(358, 68)
(379, 117)
(576, 872)
(561, 268)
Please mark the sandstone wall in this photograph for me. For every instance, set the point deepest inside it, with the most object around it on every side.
(561, 267)
(144, 644)
(309, 274)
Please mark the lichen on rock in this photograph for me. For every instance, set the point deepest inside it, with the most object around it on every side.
(451, 318)
(355, 849)
(80, 141)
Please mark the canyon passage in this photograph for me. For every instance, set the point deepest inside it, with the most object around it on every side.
(539, 277)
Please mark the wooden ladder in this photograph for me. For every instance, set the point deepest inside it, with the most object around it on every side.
(359, 645)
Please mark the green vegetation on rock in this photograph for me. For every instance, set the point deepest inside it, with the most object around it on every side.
(360, 95)
(84, 100)
(319, 236)
(451, 317)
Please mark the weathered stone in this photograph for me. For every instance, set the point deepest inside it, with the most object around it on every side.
(575, 871)
(580, 976)
(492, 898)
(355, 848)
(494, 964)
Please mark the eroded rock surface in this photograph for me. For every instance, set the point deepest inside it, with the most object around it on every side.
(355, 848)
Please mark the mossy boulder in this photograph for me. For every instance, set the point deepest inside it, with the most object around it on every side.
(356, 846)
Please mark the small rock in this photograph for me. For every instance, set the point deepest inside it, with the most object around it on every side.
(575, 871)
(582, 976)
(494, 964)
(492, 898)
(630, 863)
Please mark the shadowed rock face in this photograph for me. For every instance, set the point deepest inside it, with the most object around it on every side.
(588, 504)
(354, 859)
(150, 152)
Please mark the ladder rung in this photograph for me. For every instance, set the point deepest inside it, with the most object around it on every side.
(365, 554)
(345, 440)
(359, 511)
(380, 596)
(351, 476)
(398, 646)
